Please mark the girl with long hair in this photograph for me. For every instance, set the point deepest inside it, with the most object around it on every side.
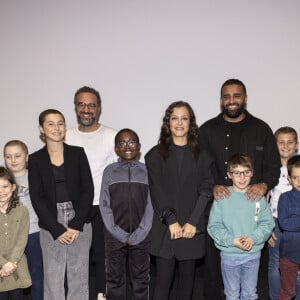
(14, 226)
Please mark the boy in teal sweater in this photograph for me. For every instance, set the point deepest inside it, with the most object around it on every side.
(239, 228)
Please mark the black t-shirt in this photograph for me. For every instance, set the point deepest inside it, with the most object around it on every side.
(60, 184)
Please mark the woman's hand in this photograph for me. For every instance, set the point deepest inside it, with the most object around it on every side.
(75, 233)
(175, 231)
(8, 269)
(188, 231)
(68, 237)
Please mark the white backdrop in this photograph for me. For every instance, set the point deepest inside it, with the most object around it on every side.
(141, 55)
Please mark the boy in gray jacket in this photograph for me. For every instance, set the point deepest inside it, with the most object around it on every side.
(127, 213)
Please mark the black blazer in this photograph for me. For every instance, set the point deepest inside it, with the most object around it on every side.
(188, 191)
(79, 184)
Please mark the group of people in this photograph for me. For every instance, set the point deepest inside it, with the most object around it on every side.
(209, 192)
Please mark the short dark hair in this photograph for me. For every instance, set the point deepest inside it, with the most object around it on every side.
(233, 81)
(8, 175)
(239, 160)
(286, 130)
(126, 130)
(47, 112)
(87, 89)
(293, 162)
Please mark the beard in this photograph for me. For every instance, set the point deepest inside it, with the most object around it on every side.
(233, 113)
(86, 121)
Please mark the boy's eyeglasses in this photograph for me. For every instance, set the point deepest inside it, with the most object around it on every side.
(123, 144)
(246, 173)
(90, 106)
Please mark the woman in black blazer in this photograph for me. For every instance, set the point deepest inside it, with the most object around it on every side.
(61, 190)
(180, 185)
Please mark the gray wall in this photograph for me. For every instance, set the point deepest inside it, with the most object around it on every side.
(141, 55)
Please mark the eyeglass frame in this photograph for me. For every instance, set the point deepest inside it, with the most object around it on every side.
(91, 106)
(237, 174)
(127, 143)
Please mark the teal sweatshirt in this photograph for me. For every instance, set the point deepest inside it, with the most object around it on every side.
(237, 216)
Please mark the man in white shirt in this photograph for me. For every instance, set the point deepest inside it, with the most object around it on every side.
(98, 143)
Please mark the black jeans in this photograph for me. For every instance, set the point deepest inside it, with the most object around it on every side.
(165, 275)
(213, 284)
(119, 257)
(16, 294)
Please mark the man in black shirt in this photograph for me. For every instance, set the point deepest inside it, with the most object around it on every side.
(233, 131)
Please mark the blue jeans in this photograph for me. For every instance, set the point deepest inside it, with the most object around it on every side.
(273, 268)
(34, 256)
(240, 276)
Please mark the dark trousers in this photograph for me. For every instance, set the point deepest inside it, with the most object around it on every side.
(98, 250)
(119, 256)
(213, 284)
(34, 256)
(165, 275)
(16, 294)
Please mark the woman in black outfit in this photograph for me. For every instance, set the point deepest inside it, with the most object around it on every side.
(180, 186)
(62, 192)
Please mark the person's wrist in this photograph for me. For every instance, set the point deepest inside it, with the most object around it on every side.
(265, 185)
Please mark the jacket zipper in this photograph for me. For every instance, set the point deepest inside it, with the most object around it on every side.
(130, 196)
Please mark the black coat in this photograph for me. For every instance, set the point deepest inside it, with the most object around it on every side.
(256, 140)
(79, 184)
(188, 191)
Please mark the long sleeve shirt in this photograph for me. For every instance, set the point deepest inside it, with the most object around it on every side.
(125, 203)
(237, 216)
(251, 136)
(289, 222)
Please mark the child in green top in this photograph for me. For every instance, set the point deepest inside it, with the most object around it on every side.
(239, 228)
(14, 226)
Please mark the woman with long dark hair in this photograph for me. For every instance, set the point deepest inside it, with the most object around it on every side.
(180, 186)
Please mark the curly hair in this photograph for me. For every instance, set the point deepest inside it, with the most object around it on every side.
(165, 138)
(126, 130)
(14, 200)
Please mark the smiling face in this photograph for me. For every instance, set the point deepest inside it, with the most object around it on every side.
(53, 127)
(127, 146)
(179, 125)
(233, 102)
(15, 159)
(88, 111)
(6, 191)
(241, 177)
(287, 145)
